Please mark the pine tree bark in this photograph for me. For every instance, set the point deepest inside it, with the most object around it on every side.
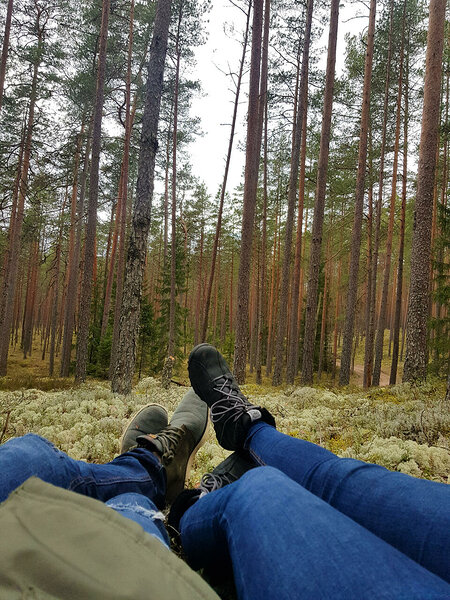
(12, 224)
(349, 327)
(91, 226)
(319, 204)
(137, 246)
(173, 259)
(76, 228)
(415, 367)
(262, 295)
(9, 283)
(275, 257)
(55, 295)
(336, 319)
(369, 251)
(292, 197)
(324, 313)
(401, 249)
(387, 266)
(30, 304)
(370, 332)
(5, 47)
(399, 293)
(297, 284)
(111, 256)
(250, 187)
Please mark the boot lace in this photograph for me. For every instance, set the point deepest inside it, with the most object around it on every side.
(169, 438)
(212, 481)
(233, 403)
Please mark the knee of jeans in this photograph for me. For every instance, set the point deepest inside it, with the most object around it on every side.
(31, 441)
(257, 494)
(261, 478)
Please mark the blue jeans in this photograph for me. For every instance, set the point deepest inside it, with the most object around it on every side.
(315, 526)
(133, 484)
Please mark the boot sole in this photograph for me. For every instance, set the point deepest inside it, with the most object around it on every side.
(131, 419)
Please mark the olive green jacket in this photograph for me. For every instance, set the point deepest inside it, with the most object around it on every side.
(55, 544)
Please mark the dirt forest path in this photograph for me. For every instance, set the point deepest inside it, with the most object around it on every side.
(359, 375)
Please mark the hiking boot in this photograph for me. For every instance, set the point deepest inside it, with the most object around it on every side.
(178, 443)
(231, 413)
(227, 471)
(149, 419)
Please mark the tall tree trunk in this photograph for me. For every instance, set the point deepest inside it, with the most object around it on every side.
(297, 284)
(415, 367)
(5, 49)
(111, 257)
(55, 307)
(30, 304)
(137, 245)
(344, 376)
(319, 204)
(324, 311)
(9, 283)
(370, 333)
(76, 229)
(336, 318)
(275, 257)
(91, 226)
(398, 295)
(12, 223)
(129, 120)
(250, 187)
(387, 266)
(292, 197)
(369, 251)
(199, 290)
(262, 282)
(441, 308)
(224, 182)
(173, 258)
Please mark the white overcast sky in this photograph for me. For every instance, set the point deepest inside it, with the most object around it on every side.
(220, 53)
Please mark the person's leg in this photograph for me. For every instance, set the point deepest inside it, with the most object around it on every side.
(137, 471)
(285, 543)
(411, 514)
(142, 511)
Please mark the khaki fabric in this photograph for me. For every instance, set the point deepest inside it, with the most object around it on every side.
(58, 544)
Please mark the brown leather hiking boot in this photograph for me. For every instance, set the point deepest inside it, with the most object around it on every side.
(178, 443)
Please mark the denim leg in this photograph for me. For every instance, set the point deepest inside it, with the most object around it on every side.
(137, 471)
(286, 543)
(142, 511)
(411, 514)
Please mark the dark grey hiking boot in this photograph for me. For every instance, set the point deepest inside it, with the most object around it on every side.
(231, 413)
(229, 470)
(149, 419)
(179, 442)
